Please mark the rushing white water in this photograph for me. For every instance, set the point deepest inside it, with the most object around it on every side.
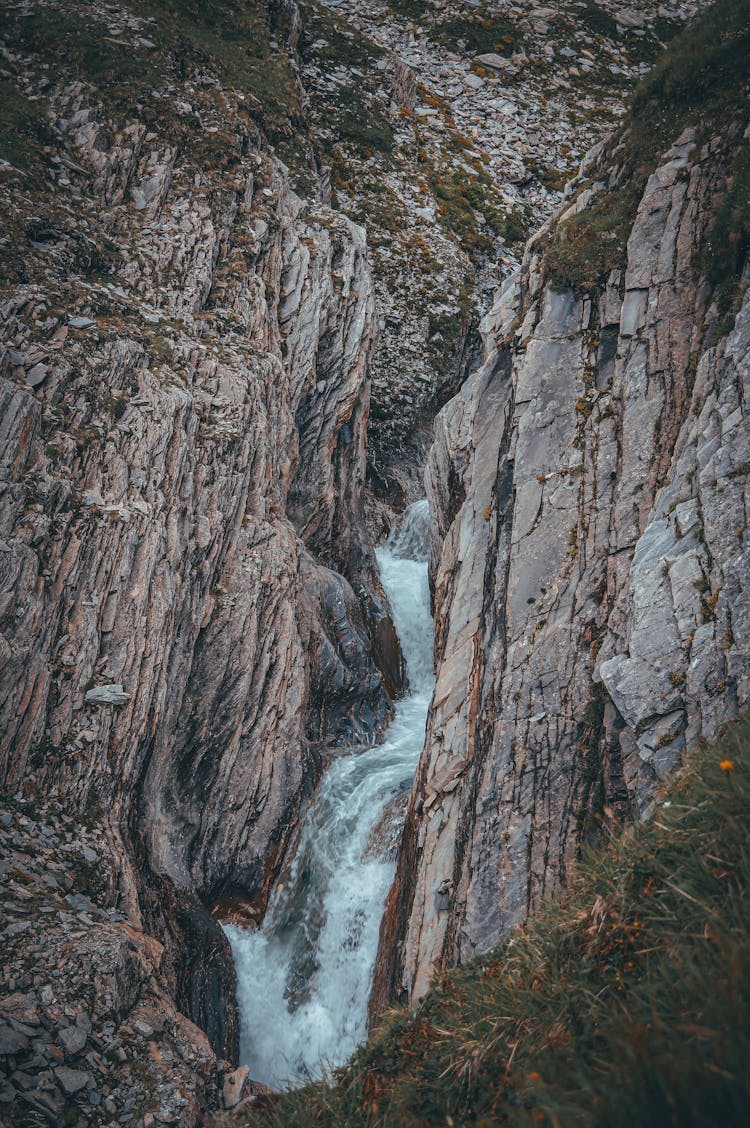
(303, 978)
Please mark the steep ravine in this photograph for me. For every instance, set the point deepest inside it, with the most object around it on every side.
(304, 977)
(590, 565)
(190, 608)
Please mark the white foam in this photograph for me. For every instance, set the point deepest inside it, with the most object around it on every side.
(304, 978)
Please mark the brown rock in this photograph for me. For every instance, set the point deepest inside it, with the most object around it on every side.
(234, 1086)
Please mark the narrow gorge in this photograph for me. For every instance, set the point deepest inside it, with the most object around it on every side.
(269, 272)
(304, 979)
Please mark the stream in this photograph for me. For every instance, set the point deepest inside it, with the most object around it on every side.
(304, 977)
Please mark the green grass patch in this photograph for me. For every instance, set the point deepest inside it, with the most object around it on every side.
(57, 34)
(353, 114)
(235, 37)
(470, 205)
(479, 34)
(727, 245)
(337, 43)
(409, 9)
(363, 125)
(626, 1002)
(701, 81)
(598, 19)
(232, 38)
(464, 196)
(446, 329)
(24, 130)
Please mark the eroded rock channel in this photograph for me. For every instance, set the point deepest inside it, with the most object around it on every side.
(304, 977)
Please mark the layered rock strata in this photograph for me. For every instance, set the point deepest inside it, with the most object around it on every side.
(590, 564)
(189, 607)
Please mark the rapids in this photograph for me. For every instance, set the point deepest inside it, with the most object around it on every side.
(304, 977)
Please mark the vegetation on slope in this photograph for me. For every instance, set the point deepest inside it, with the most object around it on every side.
(233, 37)
(133, 63)
(702, 80)
(628, 1002)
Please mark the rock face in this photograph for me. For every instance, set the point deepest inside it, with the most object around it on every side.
(172, 574)
(189, 606)
(589, 493)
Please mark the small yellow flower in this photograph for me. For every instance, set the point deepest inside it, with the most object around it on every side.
(726, 766)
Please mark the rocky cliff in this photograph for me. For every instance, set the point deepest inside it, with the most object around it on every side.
(189, 608)
(588, 488)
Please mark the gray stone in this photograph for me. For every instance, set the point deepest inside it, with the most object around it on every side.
(11, 1041)
(497, 63)
(17, 928)
(48, 1105)
(37, 375)
(72, 1080)
(113, 694)
(73, 1039)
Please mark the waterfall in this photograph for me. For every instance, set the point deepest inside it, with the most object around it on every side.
(304, 977)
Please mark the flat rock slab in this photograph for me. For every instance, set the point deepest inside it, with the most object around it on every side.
(107, 695)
